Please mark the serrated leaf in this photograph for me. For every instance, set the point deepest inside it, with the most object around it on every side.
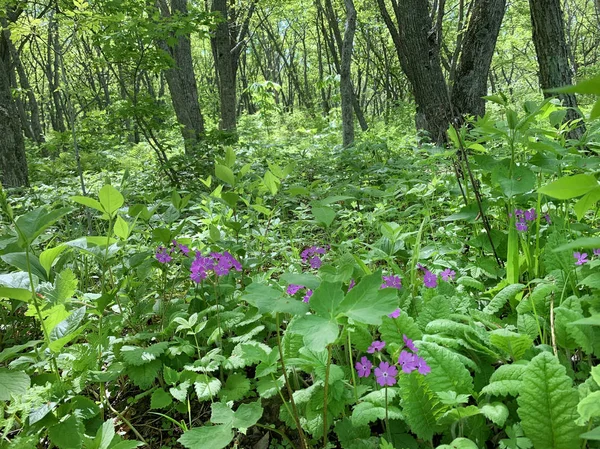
(514, 344)
(65, 285)
(180, 391)
(548, 404)
(420, 406)
(365, 413)
(506, 380)
(66, 434)
(497, 412)
(236, 387)
(393, 329)
(207, 437)
(207, 387)
(134, 355)
(367, 302)
(160, 399)
(468, 281)
(67, 330)
(13, 383)
(506, 294)
(447, 371)
(143, 376)
(326, 299)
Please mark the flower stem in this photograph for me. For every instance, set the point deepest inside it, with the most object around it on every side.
(326, 388)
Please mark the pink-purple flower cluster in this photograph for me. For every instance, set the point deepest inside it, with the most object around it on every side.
(523, 216)
(219, 263)
(385, 374)
(581, 258)
(311, 255)
(392, 282)
(292, 289)
(430, 279)
(165, 255)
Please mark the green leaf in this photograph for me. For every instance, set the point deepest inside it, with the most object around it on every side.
(506, 380)
(15, 383)
(206, 387)
(307, 280)
(447, 371)
(133, 355)
(66, 434)
(271, 182)
(121, 228)
(318, 332)
(104, 436)
(247, 415)
(207, 437)
(323, 214)
(170, 376)
(66, 330)
(365, 413)
(267, 300)
(593, 434)
(236, 387)
(354, 437)
(420, 405)
(522, 180)
(326, 299)
(590, 86)
(569, 187)
(180, 391)
(506, 294)
(459, 443)
(225, 174)
(367, 302)
(143, 376)
(65, 286)
(511, 342)
(586, 202)
(15, 293)
(33, 223)
(547, 404)
(11, 352)
(593, 320)
(85, 407)
(589, 407)
(584, 242)
(48, 256)
(497, 412)
(160, 399)
(110, 199)
(19, 260)
(89, 202)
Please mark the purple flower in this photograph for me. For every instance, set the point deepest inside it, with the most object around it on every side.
(376, 346)
(448, 274)
(392, 282)
(521, 226)
(581, 258)
(386, 374)
(547, 217)
(395, 314)
(407, 361)
(409, 344)
(306, 297)
(315, 262)
(597, 252)
(292, 289)
(363, 367)
(220, 264)
(162, 255)
(351, 284)
(430, 279)
(421, 267)
(421, 365)
(530, 214)
(519, 213)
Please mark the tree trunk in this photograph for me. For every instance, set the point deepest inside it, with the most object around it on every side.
(224, 65)
(476, 57)
(347, 93)
(182, 82)
(13, 164)
(553, 54)
(415, 41)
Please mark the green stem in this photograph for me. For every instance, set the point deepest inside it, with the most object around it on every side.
(352, 367)
(326, 389)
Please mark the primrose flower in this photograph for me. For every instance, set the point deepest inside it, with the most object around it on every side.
(351, 284)
(292, 289)
(448, 274)
(519, 213)
(395, 314)
(430, 279)
(162, 255)
(530, 214)
(547, 217)
(306, 297)
(597, 252)
(386, 374)
(376, 346)
(363, 367)
(581, 258)
(407, 362)
(391, 282)
(409, 344)
(521, 226)
(311, 255)
(220, 264)
(422, 365)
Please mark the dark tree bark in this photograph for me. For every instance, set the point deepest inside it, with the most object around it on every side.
(346, 90)
(415, 42)
(13, 164)
(476, 57)
(227, 43)
(548, 32)
(182, 81)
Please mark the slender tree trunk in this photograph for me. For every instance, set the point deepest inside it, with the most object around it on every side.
(182, 82)
(476, 57)
(13, 164)
(553, 54)
(347, 93)
(52, 73)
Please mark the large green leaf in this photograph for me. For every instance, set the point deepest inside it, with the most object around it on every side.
(104, 435)
(548, 405)
(307, 280)
(569, 187)
(244, 417)
(14, 383)
(19, 260)
(318, 332)
(368, 302)
(323, 214)
(66, 330)
(89, 202)
(110, 199)
(33, 223)
(48, 256)
(522, 180)
(420, 406)
(447, 371)
(326, 299)
(135, 355)
(66, 434)
(511, 342)
(267, 300)
(225, 174)
(587, 202)
(207, 437)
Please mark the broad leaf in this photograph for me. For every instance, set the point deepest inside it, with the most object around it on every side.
(33, 223)
(14, 383)
(110, 199)
(66, 434)
(66, 330)
(267, 300)
(569, 187)
(318, 332)
(207, 437)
